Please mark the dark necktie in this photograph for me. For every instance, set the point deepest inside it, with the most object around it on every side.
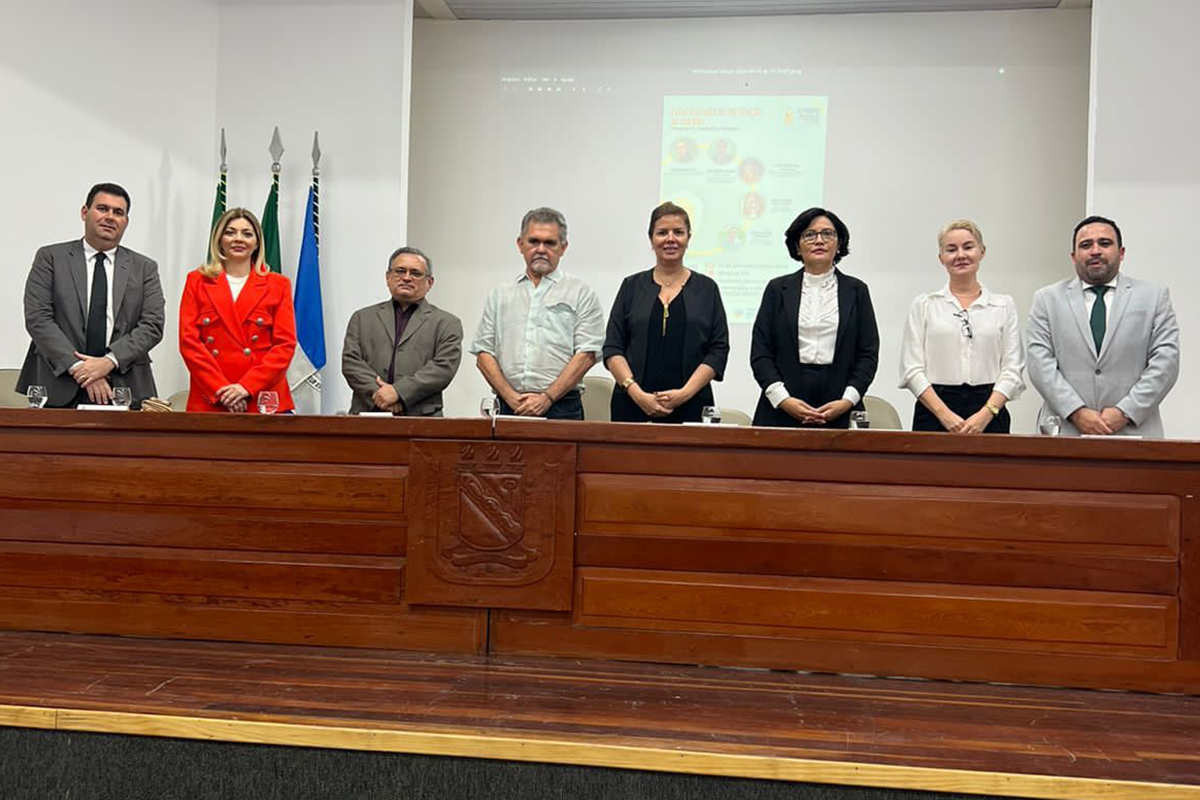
(1099, 316)
(95, 344)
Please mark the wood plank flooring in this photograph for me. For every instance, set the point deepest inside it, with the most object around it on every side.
(984, 739)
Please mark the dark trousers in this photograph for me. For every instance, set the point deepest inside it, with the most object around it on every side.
(569, 406)
(963, 400)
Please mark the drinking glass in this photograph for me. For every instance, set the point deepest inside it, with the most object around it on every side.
(489, 406)
(1050, 424)
(37, 396)
(860, 419)
(710, 415)
(268, 402)
(122, 396)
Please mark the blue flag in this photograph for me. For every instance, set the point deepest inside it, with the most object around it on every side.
(310, 320)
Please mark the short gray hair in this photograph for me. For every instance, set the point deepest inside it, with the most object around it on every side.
(400, 251)
(545, 216)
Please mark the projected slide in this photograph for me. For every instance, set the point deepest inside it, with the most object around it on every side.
(743, 167)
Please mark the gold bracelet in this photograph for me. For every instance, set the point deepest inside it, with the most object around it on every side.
(995, 411)
(625, 384)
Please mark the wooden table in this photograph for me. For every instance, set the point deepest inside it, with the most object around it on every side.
(1061, 562)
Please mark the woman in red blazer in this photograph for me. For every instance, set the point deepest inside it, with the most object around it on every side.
(237, 328)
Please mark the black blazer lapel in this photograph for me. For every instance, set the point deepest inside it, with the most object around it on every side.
(642, 304)
(846, 300)
(792, 286)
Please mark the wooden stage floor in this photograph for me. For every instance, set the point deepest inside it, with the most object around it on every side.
(950, 737)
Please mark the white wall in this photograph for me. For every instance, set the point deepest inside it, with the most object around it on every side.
(1145, 164)
(147, 112)
(923, 127)
(136, 109)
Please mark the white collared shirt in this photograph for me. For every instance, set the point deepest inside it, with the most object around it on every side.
(818, 320)
(89, 259)
(936, 348)
(533, 331)
(816, 326)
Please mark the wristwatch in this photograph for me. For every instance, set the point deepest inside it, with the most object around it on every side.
(625, 384)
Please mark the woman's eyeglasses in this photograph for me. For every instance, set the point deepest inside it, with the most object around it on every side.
(824, 236)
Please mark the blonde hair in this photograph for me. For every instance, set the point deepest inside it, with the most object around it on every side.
(961, 225)
(216, 259)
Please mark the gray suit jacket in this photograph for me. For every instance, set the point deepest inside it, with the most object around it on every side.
(1138, 360)
(55, 316)
(427, 357)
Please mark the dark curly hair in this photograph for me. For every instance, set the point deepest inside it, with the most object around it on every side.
(800, 225)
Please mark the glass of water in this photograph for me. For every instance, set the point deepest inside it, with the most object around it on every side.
(268, 402)
(710, 415)
(37, 396)
(489, 406)
(122, 396)
(1050, 424)
(860, 419)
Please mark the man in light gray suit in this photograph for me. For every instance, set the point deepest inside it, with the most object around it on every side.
(1103, 347)
(399, 355)
(93, 310)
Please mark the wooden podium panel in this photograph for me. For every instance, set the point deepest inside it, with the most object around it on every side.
(1006, 558)
(988, 558)
(988, 618)
(286, 529)
(1064, 539)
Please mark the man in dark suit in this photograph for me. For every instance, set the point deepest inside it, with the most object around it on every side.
(399, 355)
(93, 310)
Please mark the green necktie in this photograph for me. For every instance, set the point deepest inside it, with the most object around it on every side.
(1099, 317)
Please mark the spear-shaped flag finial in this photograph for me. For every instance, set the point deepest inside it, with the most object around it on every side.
(276, 150)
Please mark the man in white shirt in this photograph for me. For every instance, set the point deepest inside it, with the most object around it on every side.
(1103, 347)
(93, 310)
(542, 332)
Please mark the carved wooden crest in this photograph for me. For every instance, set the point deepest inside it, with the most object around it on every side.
(493, 524)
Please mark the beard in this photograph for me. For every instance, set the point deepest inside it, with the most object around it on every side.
(541, 266)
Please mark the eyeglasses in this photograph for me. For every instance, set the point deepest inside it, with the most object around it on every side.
(400, 273)
(824, 236)
(965, 322)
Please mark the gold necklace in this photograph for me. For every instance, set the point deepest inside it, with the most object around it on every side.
(968, 298)
(669, 283)
(667, 305)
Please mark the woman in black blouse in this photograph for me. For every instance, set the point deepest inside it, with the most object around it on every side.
(667, 335)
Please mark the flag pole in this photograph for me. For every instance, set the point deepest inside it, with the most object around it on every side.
(309, 360)
(314, 380)
(270, 220)
(219, 200)
(316, 186)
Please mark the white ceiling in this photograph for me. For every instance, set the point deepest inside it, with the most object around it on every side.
(631, 9)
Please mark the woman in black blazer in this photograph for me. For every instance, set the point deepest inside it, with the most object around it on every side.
(667, 336)
(815, 344)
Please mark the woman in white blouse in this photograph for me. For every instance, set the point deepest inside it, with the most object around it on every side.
(962, 356)
(815, 345)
